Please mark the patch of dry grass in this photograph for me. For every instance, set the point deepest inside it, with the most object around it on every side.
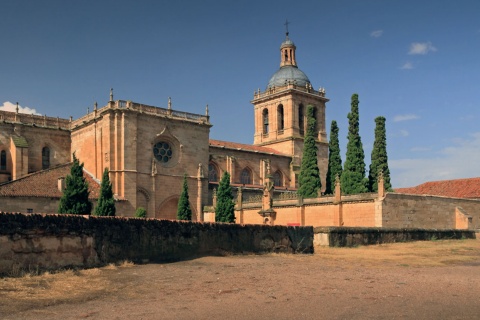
(416, 254)
(39, 290)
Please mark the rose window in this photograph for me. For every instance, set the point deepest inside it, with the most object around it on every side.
(162, 151)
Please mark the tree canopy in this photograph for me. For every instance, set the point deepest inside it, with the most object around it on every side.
(225, 208)
(379, 160)
(106, 202)
(75, 196)
(309, 178)
(184, 212)
(353, 178)
(334, 159)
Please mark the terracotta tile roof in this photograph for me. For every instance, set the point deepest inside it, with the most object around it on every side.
(45, 184)
(244, 147)
(458, 188)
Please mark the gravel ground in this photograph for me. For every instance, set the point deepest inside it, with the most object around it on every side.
(428, 280)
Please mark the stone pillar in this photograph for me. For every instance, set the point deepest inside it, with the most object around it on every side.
(199, 192)
(381, 185)
(337, 201)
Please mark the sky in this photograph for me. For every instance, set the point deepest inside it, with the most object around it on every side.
(417, 63)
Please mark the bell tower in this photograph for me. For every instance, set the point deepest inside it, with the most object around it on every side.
(280, 112)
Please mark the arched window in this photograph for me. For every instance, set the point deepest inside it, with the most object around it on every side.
(277, 179)
(280, 117)
(301, 119)
(265, 121)
(45, 158)
(212, 172)
(3, 160)
(246, 176)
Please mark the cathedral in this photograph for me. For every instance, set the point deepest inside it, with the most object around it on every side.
(149, 149)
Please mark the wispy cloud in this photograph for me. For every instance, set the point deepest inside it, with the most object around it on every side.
(407, 66)
(449, 163)
(404, 133)
(376, 33)
(420, 149)
(405, 117)
(8, 106)
(421, 48)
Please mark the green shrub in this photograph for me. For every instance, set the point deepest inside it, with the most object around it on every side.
(141, 212)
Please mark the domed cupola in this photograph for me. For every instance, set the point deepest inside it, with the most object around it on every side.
(288, 72)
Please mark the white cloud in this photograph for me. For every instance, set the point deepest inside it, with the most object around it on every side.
(405, 117)
(420, 149)
(460, 160)
(8, 106)
(376, 33)
(407, 66)
(404, 133)
(421, 48)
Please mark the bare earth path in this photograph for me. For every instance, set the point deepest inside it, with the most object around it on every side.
(423, 280)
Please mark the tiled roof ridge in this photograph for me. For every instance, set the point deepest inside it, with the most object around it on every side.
(37, 173)
(248, 147)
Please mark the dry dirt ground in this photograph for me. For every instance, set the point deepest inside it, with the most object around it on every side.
(421, 280)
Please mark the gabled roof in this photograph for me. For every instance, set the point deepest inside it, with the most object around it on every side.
(458, 188)
(244, 147)
(45, 184)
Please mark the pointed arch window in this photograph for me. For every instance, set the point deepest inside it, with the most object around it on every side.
(301, 119)
(3, 160)
(246, 176)
(265, 121)
(45, 158)
(277, 179)
(212, 172)
(280, 118)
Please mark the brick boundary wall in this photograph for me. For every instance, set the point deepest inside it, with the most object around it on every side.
(55, 241)
(350, 237)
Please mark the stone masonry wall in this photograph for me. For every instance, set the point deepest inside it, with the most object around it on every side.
(56, 241)
(420, 211)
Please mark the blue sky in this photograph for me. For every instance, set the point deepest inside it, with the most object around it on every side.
(415, 62)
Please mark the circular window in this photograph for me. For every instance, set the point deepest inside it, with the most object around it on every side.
(163, 151)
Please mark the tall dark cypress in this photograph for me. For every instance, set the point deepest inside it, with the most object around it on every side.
(184, 212)
(106, 202)
(334, 159)
(75, 196)
(309, 179)
(225, 208)
(353, 178)
(379, 160)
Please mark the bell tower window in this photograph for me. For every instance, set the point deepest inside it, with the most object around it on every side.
(265, 121)
(280, 117)
(301, 119)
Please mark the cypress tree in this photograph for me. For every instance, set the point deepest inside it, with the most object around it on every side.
(334, 159)
(75, 196)
(379, 160)
(309, 179)
(225, 209)
(106, 203)
(353, 178)
(184, 212)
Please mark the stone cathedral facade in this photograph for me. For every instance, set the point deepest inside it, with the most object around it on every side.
(148, 149)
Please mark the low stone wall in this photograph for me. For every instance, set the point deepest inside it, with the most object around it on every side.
(56, 241)
(350, 237)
